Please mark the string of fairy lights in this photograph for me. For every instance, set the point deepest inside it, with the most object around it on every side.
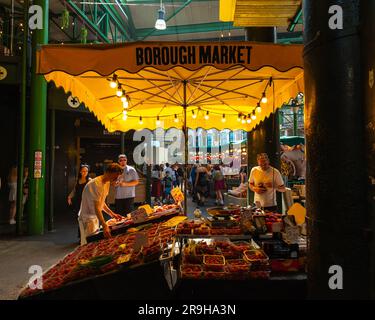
(244, 118)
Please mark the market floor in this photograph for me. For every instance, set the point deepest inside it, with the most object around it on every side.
(17, 254)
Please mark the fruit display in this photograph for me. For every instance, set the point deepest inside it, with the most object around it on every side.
(224, 259)
(198, 227)
(104, 256)
(214, 262)
(191, 271)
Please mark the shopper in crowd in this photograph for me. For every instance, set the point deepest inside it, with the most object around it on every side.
(75, 196)
(180, 176)
(125, 187)
(93, 203)
(168, 184)
(201, 184)
(175, 175)
(193, 175)
(12, 184)
(219, 184)
(171, 172)
(156, 189)
(264, 181)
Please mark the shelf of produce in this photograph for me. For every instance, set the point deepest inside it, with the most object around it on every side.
(120, 229)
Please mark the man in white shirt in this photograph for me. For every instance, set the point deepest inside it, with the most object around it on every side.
(125, 187)
(93, 202)
(264, 181)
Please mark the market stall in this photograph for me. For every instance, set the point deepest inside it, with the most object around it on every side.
(246, 247)
(177, 85)
(183, 85)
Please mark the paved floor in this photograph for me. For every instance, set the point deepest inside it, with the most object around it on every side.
(17, 254)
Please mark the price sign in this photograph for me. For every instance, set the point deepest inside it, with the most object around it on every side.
(38, 156)
(139, 215)
(141, 240)
(177, 195)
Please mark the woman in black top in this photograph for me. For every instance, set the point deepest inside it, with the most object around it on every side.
(75, 197)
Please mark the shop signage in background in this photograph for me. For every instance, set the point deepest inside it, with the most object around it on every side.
(139, 215)
(177, 195)
(38, 156)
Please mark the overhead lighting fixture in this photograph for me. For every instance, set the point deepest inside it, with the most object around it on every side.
(140, 121)
(243, 121)
(223, 118)
(175, 118)
(194, 115)
(258, 108)
(253, 116)
(239, 117)
(264, 98)
(123, 96)
(119, 91)
(248, 120)
(113, 83)
(158, 121)
(124, 115)
(160, 22)
(206, 116)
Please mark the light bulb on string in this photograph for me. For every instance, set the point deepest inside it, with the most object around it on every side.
(123, 96)
(264, 98)
(124, 115)
(206, 116)
(194, 115)
(140, 121)
(125, 104)
(239, 117)
(253, 116)
(223, 118)
(243, 121)
(248, 120)
(119, 91)
(175, 118)
(113, 82)
(258, 108)
(158, 121)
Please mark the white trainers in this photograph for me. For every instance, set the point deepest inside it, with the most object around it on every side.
(12, 221)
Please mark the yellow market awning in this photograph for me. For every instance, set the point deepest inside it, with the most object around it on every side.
(220, 84)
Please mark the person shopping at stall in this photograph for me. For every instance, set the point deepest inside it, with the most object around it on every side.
(125, 187)
(93, 203)
(264, 181)
(219, 184)
(201, 184)
(75, 196)
(156, 188)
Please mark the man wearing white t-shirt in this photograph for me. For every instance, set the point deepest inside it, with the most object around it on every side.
(93, 202)
(264, 181)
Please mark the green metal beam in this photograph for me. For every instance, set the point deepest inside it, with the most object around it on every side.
(37, 136)
(86, 19)
(189, 28)
(117, 19)
(129, 16)
(171, 16)
(296, 19)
